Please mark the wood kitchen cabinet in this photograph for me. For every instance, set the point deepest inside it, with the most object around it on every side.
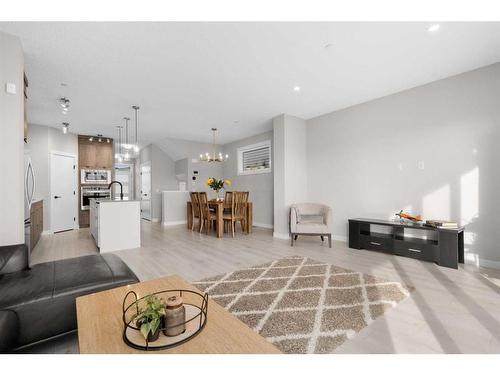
(36, 217)
(84, 219)
(95, 155)
(87, 155)
(104, 156)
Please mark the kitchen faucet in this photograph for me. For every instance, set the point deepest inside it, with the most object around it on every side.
(121, 187)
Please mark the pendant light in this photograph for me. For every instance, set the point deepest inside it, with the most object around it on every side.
(211, 158)
(126, 146)
(136, 143)
(65, 126)
(118, 155)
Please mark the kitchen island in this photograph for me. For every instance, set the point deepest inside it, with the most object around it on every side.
(115, 224)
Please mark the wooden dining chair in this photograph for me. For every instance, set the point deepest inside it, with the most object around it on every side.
(238, 211)
(207, 216)
(228, 200)
(195, 208)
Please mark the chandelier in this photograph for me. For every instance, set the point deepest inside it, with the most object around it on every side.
(213, 157)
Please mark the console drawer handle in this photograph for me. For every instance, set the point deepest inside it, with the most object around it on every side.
(376, 243)
(415, 250)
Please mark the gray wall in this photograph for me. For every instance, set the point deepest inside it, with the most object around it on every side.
(162, 176)
(41, 141)
(290, 165)
(11, 142)
(433, 150)
(260, 186)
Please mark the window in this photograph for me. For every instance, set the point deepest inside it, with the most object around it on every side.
(256, 158)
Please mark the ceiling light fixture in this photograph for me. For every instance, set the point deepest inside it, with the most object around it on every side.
(296, 88)
(434, 28)
(65, 126)
(136, 143)
(213, 157)
(64, 103)
(118, 155)
(91, 139)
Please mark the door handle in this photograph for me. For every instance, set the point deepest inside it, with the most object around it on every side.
(57, 196)
(376, 243)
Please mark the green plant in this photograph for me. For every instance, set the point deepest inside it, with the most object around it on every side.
(149, 318)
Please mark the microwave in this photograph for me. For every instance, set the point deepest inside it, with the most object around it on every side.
(95, 176)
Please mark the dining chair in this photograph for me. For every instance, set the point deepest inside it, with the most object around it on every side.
(207, 216)
(238, 211)
(195, 208)
(228, 199)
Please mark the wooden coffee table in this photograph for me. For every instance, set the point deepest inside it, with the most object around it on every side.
(100, 325)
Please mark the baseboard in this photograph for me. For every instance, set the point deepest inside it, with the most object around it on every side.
(45, 232)
(170, 223)
(337, 237)
(475, 259)
(281, 236)
(263, 225)
(155, 220)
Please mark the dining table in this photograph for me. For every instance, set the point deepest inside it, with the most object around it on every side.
(219, 207)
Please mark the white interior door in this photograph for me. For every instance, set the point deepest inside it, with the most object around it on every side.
(146, 190)
(62, 191)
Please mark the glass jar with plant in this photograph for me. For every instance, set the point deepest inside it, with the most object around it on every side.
(150, 318)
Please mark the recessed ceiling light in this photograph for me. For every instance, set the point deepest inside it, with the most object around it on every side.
(434, 28)
(63, 84)
(296, 88)
(328, 45)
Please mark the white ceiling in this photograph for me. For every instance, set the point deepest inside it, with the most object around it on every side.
(189, 77)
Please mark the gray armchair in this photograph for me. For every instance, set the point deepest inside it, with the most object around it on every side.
(311, 219)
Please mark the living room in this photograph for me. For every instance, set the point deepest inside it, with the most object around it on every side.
(250, 187)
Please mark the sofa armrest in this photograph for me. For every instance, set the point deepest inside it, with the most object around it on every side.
(327, 218)
(13, 258)
(9, 330)
(293, 219)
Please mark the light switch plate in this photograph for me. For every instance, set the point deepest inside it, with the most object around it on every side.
(10, 88)
(421, 164)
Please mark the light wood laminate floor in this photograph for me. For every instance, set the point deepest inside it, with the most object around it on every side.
(450, 311)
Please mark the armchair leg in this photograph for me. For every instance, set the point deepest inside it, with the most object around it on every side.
(322, 238)
(291, 239)
(296, 236)
(330, 241)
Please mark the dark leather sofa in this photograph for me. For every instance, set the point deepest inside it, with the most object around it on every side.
(39, 302)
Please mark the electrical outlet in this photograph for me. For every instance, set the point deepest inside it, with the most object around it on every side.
(10, 88)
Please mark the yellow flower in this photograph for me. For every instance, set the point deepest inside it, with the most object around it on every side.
(210, 181)
(228, 182)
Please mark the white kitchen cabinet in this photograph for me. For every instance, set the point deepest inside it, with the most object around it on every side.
(115, 225)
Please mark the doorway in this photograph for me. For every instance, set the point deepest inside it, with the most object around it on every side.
(63, 202)
(146, 190)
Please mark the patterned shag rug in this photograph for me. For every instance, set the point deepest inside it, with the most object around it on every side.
(302, 305)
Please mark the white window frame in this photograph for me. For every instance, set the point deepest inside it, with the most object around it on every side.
(254, 146)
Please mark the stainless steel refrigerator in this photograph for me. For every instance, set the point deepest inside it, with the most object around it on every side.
(29, 193)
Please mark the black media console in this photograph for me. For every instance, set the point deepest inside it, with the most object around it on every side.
(442, 246)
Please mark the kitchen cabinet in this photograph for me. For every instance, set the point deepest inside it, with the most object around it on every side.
(87, 154)
(94, 222)
(95, 155)
(84, 218)
(36, 218)
(104, 156)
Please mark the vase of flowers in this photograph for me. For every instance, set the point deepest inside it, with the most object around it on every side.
(218, 186)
